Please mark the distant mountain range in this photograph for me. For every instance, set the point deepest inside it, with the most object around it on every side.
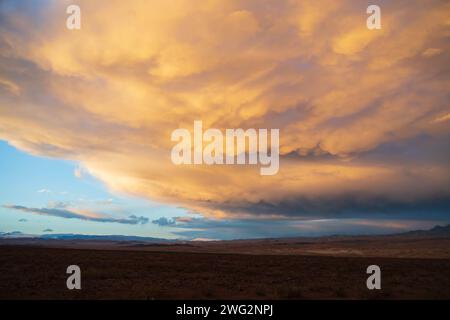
(437, 231)
(71, 236)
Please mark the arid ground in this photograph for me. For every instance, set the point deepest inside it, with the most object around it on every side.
(329, 268)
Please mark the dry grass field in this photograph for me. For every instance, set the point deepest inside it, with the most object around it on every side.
(39, 273)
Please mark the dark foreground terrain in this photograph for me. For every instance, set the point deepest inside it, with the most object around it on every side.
(39, 273)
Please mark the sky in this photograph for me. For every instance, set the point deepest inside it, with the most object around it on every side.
(86, 117)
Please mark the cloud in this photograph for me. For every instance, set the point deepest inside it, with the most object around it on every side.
(224, 229)
(362, 114)
(351, 205)
(58, 204)
(79, 214)
(163, 221)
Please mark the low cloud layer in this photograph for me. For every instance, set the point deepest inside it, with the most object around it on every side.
(80, 214)
(203, 228)
(163, 221)
(363, 115)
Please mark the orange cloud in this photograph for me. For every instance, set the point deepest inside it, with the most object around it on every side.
(110, 94)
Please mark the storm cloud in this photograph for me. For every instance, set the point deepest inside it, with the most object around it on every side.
(363, 114)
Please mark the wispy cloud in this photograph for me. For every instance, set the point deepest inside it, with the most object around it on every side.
(79, 214)
(44, 191)
(163, 221)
